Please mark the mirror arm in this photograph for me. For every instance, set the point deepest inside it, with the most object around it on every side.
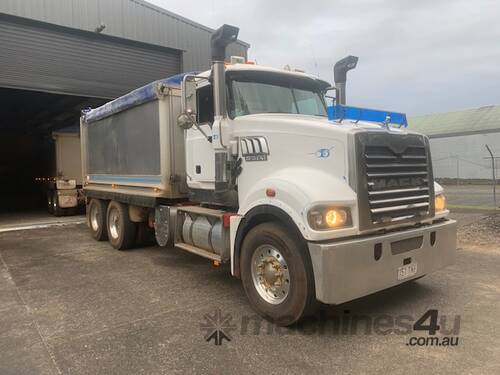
(334, 98)
(207, 137)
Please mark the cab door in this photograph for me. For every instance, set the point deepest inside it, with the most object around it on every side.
(200, 166)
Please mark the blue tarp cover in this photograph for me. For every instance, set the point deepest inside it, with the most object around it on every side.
(134, 98)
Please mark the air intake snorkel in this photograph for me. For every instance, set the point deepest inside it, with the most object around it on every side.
(340, 75)
(221, 38)
(339, 111)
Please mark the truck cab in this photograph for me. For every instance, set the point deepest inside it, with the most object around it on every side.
(361, 195)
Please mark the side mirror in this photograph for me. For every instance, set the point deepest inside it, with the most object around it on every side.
(186, 120)
(189, 95)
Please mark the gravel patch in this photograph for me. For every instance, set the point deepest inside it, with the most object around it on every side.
(485, 231)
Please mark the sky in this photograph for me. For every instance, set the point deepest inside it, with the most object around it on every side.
(417, 57)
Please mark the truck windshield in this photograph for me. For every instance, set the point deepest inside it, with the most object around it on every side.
(274, 94)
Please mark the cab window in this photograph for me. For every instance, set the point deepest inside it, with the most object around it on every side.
(205, 103)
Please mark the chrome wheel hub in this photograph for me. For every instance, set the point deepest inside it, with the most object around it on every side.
(270, 274)
(114, 223)
(94, 218)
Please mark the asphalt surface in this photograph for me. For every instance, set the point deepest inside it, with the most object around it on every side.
(70, 305)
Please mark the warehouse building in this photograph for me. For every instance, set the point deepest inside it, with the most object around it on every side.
(60, 56)
(458, 142)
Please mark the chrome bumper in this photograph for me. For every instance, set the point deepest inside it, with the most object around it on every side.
(347, 270)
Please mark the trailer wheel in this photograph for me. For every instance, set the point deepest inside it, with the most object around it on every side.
(145, 235)
(121, 231)
(50, 202)
(56, 210)
(277, 275)
(96, 219)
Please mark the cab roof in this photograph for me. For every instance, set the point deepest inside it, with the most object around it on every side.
(259, 68)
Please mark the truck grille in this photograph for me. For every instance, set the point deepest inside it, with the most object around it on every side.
(395, 182)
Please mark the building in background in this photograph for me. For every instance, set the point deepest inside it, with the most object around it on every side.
(97, 48)
(60, 56)
(458, 142)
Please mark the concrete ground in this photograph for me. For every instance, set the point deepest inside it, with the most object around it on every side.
(16, 220)
(70, 305)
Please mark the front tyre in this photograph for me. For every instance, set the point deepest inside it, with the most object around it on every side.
(277, 275)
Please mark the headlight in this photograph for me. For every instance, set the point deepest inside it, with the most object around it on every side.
(440, 202)
(325, 218)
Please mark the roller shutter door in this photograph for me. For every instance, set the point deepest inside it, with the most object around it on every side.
(44, 57)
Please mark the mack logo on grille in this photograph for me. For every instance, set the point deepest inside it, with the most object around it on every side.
(401, 182)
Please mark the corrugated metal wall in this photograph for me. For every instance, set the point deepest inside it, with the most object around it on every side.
(131, 19)
(465, 156)
(42, 57)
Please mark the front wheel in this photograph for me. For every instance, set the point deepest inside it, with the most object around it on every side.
(277, 275)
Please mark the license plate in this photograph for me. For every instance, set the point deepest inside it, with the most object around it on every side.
(407, 271)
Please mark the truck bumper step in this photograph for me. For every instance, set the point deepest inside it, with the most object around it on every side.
(198, 251)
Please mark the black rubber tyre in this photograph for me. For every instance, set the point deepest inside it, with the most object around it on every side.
(300, 300)
(50, 202)
(96, 219)
(56, 210)
(121, 231)
(145, 235)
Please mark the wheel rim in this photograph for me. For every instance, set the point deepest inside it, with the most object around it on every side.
(114, 223)
(95, 218)
(270, 274)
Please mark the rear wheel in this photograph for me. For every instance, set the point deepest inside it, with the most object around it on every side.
(145, 235)
(121, 231)
(96, 219)
(50, 202)
(56, 210)
(277, 275)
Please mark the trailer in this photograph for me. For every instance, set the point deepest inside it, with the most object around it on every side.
(64, 188)
(241, 164)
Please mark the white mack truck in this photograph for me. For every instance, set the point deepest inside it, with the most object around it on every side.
(241, 164)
